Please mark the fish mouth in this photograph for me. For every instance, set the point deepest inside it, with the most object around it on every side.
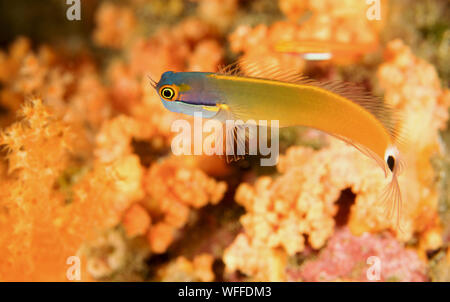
(189, 109)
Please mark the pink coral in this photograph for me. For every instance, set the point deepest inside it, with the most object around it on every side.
(347, 257)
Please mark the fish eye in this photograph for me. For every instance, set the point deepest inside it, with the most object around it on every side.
(167, 92)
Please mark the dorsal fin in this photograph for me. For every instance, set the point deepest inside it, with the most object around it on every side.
(269, 69)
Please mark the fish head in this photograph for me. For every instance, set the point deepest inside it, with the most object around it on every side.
(187, 92)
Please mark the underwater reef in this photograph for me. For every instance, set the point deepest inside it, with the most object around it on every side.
(86, 167)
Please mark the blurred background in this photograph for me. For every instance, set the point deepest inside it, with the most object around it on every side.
(86, 169)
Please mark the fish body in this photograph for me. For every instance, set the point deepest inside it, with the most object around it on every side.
(344, 111)
(292, 104)
(302, 104)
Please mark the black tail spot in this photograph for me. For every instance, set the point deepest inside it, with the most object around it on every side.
(391, 162)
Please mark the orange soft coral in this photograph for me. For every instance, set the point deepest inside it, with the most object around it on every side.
(298, 204)
(257, 45)
(136, 221)
(412, 86)
(10, 62)
(114, 138)
(210, 49)
(37, 152)
(19, 69)
(173, 188)
(73, 91)
(257, 262)
(183, 270)
(191, 44)
(24, 140)
(115, 25)
(173, 47)
(89, 103)
(106, 254)
(328, 25)
(150, 122)
(125, 89)
(42, 228)
(218, 12)
(343, 21)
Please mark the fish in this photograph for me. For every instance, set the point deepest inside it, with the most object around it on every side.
(315, 50)
(265, 92)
